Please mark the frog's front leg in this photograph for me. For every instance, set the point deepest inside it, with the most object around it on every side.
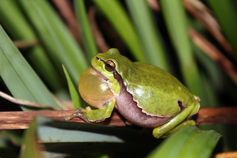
(176, 122)
(95, 115)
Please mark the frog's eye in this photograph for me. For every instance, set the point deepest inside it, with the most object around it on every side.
(109, 65)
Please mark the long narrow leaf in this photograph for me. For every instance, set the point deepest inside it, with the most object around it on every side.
(177, 26)
(77, 143)
(31, 147)
(188, 142)
(19, 77)
(55, 135)
(14, 22)
(73, 92)
(91, 139)
(226, 14)
(121, 22)
(211, 80)
(148, 33)
(88, 40)
(55, 36)
(77, 132)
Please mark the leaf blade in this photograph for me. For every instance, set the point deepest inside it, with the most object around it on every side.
(148, 33)
(187, 141)
(10, 10)
(89, 42)
(31, 147)
(226, 16)
(177, 28)
(77, 103)
(55, 36)
(125, 28)
(14, 68)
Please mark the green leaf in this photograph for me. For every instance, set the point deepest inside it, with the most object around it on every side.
(176, 22)
(225, 12)
(188, 142)
(116, 14)
(77, 103)
(85, 140)
(88, 39)
(19, 77)
(14, 22)
(9, 136)
(30, 147)
(147, 31)
(51, 131)
(55, 36)
(211, 79)
(55, 135)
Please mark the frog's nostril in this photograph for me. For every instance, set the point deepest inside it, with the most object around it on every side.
(97, 58)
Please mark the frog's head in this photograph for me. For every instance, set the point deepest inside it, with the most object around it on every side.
(108, 64)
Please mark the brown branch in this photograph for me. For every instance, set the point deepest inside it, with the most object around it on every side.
(154, 5)
(230, 154)
(203, 15)
(210, 50)
(22, 102)
(20, 119)
(221, 115)
(67, 13)
(100, 41)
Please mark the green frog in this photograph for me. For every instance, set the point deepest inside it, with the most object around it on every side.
(143, 94)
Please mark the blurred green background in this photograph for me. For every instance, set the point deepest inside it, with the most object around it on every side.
(193, 40)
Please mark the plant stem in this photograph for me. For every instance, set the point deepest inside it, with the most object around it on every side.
(21, 119)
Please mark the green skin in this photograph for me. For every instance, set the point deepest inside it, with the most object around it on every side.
(156, 93)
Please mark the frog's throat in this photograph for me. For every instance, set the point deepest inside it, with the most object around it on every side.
(128, 108)
(108, 76)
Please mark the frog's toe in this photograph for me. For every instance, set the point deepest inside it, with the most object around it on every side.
(82, 114)
(157, 132)
(79, 113)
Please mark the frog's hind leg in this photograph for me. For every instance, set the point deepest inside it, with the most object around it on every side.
(94, 115)
(176, 122)
(181, 125)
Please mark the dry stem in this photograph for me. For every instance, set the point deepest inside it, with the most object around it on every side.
(21, 119)
(210, 50)
(67, 13)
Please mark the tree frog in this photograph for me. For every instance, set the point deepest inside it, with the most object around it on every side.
(143, 94)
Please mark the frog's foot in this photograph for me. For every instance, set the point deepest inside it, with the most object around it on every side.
(175, 123)
(81, 113)
(183, 124)
(94, 115)
(74, 115)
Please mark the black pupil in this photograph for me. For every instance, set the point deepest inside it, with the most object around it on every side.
(108, 67)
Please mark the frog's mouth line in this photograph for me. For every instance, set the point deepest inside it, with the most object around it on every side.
(99, 74)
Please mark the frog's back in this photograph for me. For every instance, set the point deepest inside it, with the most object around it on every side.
(157, 92)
